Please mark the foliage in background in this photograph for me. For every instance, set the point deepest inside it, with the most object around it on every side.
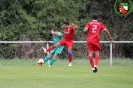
(32, 20)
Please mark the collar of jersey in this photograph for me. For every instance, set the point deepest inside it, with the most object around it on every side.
(94, 20)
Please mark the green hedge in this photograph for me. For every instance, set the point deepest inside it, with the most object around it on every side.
(32, 19)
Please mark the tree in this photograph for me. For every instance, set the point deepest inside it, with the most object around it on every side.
(32, 19)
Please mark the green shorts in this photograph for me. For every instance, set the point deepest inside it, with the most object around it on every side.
(57, 50)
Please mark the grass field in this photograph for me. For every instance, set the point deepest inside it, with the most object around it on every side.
(25, 73)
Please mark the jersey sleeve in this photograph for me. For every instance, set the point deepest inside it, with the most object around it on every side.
(103, 26)
(72, 27)
(60, 33)
(87, 26)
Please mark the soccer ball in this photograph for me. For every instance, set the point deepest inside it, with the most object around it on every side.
(40, 62)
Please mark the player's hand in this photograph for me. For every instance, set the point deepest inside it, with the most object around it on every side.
(111, 39)
(83, 33)
(74, 25)
(82, 36)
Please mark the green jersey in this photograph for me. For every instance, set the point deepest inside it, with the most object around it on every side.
(57, 38)
(58, 49)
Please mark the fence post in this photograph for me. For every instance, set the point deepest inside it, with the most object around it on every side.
(110, 53)
(47, 44)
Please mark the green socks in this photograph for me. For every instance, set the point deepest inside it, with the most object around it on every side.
(52, 61)
(46, 59)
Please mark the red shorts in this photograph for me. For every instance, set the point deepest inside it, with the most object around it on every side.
(68, 43)
(93, 46)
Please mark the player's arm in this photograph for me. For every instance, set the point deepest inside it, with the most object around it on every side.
(108, 33)
(84, 32)
(56, 33)
(74, 26)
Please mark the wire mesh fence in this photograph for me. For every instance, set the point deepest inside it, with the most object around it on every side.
(33, 49)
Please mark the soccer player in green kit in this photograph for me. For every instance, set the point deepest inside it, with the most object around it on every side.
(56, 51)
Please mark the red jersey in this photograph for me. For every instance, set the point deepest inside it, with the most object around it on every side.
(94, 27)
(69, 33)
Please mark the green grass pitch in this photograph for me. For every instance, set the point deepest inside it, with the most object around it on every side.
(25, 73)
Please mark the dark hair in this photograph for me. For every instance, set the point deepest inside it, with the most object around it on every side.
(66, 22)
(95, 16)
(53, 29)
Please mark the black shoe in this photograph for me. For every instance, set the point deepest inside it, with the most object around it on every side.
(95, 70)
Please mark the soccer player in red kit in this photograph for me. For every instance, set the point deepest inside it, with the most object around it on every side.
(67, 40)
(94, 27)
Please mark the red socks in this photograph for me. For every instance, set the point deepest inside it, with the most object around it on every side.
(97, 59)
(50, 48)
(90, 58)
(70, 58)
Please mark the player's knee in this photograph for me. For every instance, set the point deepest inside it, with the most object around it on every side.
(54, 45)
(69, 51)
(97, 52)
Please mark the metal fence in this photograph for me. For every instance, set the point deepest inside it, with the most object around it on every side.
(47, 43)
